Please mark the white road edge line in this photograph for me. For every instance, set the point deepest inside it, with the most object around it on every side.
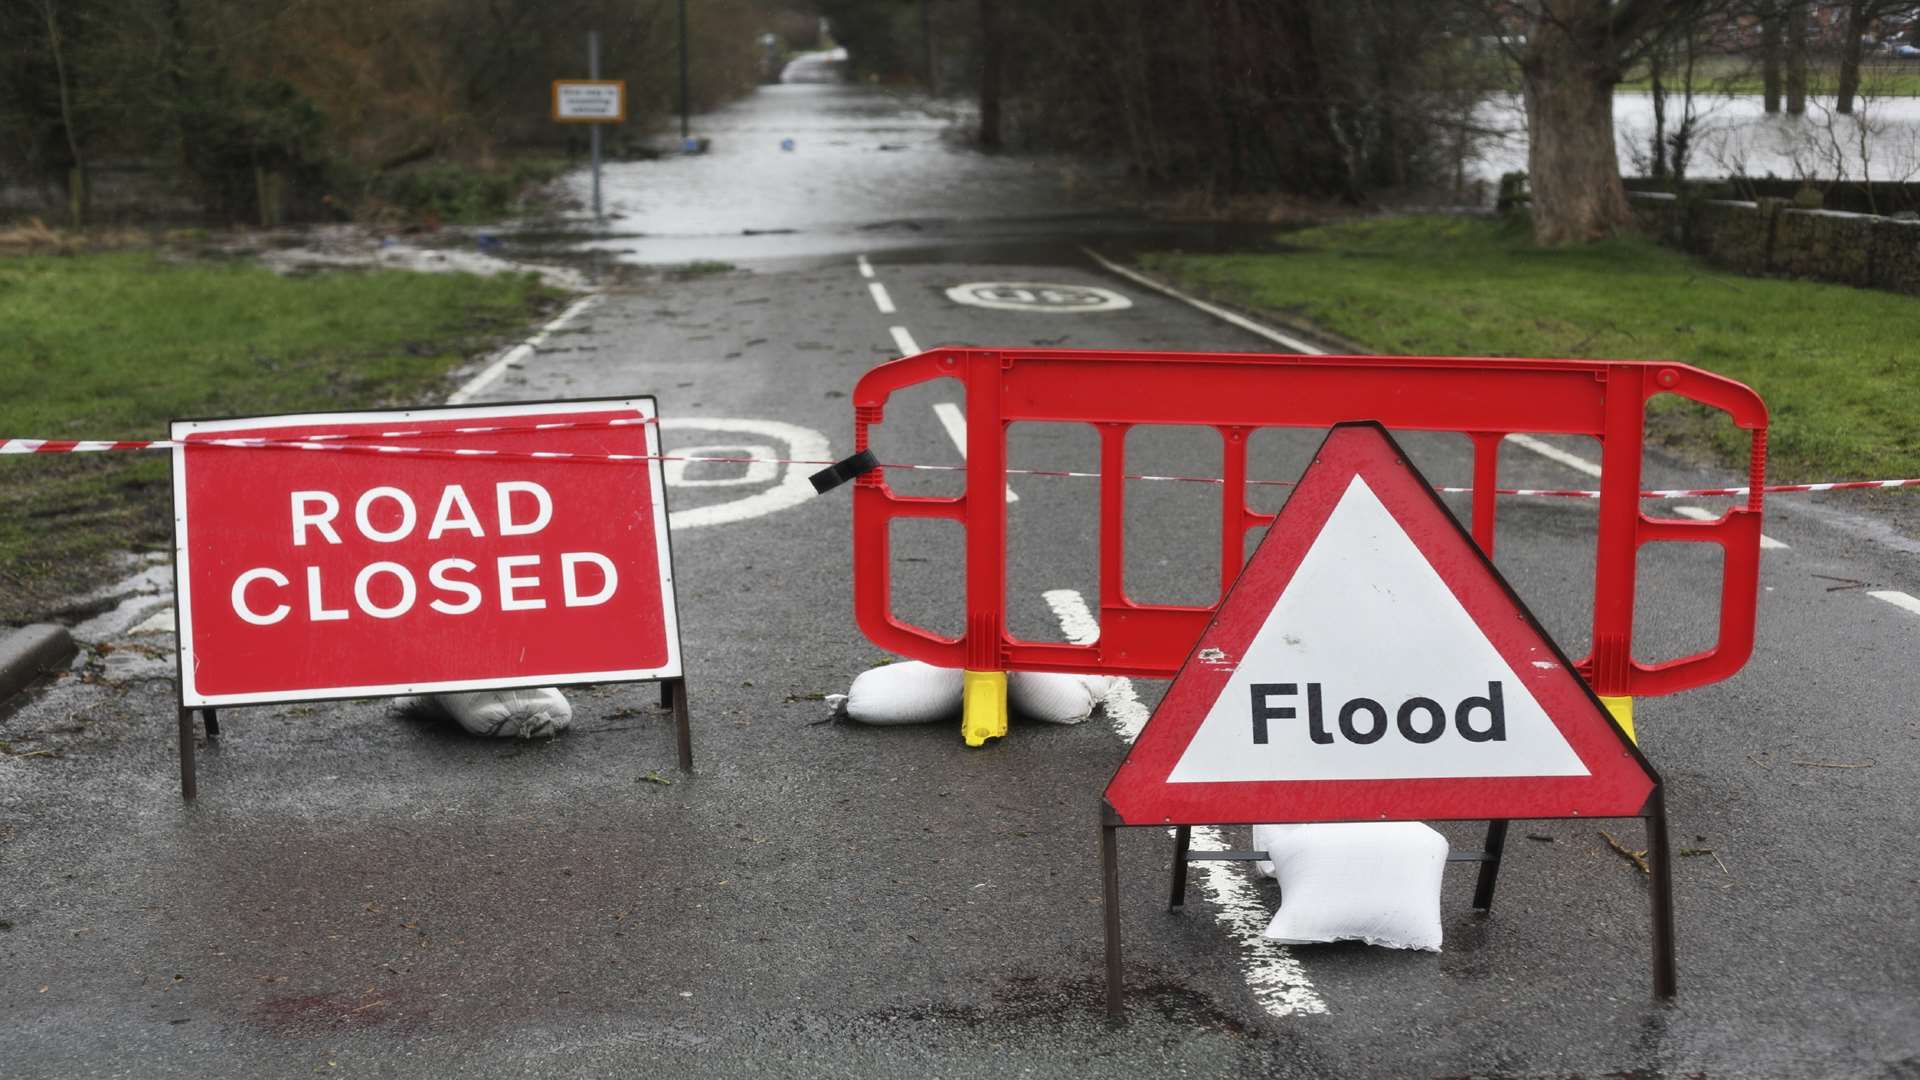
(955, 422)
(520, 352)
(903, 340)
(880, 298)
(1278, 981)
(1215, 310)
(1897, 599)
(866, 268)
(1697, 513)
(1572, 461)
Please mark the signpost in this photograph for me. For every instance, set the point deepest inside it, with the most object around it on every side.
(591, 101)
(424, 551)
(1370, 664)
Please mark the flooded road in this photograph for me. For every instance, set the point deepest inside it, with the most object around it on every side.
(813, 168)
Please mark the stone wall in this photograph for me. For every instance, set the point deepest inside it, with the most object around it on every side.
(1771, 236)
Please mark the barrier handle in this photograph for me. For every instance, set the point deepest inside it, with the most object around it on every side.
(1738, 534)
(875, 507)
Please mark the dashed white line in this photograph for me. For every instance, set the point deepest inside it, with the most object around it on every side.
(1697, 513)
(903, 340)
(955, 422)
(1277, 980)
(1553, 453)
(880, 298)
(1897, 599)
(866, 268)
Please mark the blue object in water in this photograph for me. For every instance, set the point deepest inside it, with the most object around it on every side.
(786, 144)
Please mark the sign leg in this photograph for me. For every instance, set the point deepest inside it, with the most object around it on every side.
(189, 790)
(1490, 867)
(1182, 840)
(1110, 901)
(666, 693)
(213, 724)
(682, 729)
(1660, 888)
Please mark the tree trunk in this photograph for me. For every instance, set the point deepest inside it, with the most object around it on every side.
(79, 181)
(1572, 166)
(1770, 59)
(1797, 58)
(1850, 51)
(992, 66)
(1659, 148)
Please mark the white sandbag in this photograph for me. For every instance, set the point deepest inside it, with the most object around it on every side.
(1056, 698)
(525, 714)
(910, 692)
(1375, 881)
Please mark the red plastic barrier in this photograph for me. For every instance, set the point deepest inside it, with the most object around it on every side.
(1236, 394)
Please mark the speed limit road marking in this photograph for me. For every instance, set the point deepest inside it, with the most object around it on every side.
(1037, 296)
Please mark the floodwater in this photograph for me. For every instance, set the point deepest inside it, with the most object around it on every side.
(1736, 137)
(814, 167)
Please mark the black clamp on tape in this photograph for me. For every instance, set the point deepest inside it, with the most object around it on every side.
(842, 471)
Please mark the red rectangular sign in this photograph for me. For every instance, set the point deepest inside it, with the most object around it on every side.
(398, 553)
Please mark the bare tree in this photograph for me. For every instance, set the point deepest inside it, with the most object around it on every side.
(1575, 53)
(80, 184)
(1862, 17)
(1796, 19)
(1772, 23)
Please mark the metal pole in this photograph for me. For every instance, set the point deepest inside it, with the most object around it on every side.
(1660, 888)
(1182, 841)
(593, 72)
(1110, 903)
(683, 70)
(188, 789)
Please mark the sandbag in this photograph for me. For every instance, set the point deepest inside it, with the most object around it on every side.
(525, 714)
(1374, 881)
(1055, 698)
(910, 692)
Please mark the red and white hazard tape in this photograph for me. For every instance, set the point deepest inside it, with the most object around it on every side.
(351, 443)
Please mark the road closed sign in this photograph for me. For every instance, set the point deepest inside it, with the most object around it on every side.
(1371, 664)
(375, 553)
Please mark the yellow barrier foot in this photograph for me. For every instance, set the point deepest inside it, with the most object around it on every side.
(984, 715)
(1622, 710)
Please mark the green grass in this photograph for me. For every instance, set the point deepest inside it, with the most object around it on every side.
(1833, 363)
(115, 345)
(1880, 76)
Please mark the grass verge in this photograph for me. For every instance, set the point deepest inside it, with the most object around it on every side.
(114, 345)
(1832, 362)
(1879, 77)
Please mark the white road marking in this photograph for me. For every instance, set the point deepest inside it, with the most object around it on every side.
(1038, 296)
(1897, 599)
(903, 340)
(1278, 981)
(880, 298)
(1553, 453)
(955, 422)
(761, 469)
(866, 268)
(519, 353)
(1767, 543)
(1215, 310)
(793, 489)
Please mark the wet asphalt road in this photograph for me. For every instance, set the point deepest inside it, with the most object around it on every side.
(357, 893)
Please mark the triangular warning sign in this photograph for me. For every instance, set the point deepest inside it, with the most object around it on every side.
(1371, 664)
